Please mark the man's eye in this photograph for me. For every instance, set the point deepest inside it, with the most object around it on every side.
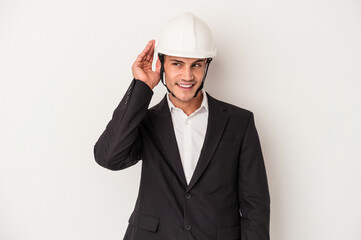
(197, 65)
(176, 64)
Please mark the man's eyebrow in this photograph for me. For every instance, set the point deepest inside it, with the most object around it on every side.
(175, 60)
(179, 61)
(200, 60)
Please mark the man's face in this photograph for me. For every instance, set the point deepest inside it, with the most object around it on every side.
(183, 76)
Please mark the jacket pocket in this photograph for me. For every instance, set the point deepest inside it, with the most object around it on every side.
(144, 221)
(229, 233)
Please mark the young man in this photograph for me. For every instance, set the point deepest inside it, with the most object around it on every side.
(203, 175)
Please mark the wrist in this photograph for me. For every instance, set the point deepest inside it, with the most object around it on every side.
(146, 82)
(149, 84)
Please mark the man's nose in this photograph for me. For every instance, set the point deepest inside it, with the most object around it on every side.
(188, 74)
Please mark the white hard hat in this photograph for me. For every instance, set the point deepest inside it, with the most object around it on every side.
(186, 36)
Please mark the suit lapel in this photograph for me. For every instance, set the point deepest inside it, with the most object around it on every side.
(162, 121)
(217, 120)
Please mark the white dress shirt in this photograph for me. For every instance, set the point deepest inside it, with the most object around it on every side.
(190, 132)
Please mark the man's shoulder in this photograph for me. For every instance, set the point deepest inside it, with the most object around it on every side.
(231, 108)
(159, 106)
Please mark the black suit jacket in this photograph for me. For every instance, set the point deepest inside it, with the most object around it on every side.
(227, 197)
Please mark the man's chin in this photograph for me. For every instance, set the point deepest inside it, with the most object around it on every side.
(186, 97)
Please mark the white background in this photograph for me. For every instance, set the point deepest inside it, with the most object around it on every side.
(65, 65)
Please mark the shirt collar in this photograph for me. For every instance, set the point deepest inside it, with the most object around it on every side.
(204, 103)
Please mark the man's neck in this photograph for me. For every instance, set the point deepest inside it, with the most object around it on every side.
(190, 106)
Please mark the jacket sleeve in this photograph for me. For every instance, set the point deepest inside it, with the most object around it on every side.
(254, 198)
(120, 145)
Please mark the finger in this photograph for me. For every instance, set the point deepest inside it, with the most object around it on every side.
(157, 66)
(144, 53)
(149, 57)
(151, 54)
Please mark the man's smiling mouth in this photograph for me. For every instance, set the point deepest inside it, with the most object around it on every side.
(185, 85)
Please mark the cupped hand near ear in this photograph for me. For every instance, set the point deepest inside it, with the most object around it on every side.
(142, 67)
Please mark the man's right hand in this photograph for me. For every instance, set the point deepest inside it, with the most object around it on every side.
(142, 67)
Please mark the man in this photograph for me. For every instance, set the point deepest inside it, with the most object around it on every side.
(203, 175)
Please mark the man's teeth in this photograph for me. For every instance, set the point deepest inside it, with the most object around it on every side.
(186, 86)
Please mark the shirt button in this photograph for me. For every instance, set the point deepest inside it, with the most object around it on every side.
(188, 196)
(188, 227)
(187, 123)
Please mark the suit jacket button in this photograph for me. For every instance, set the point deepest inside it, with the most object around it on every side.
(188, 227)
(188, 196)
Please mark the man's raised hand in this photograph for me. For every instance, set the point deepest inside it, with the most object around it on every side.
(142, 67)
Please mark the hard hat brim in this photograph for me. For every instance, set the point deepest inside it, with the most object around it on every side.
(174, 53)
